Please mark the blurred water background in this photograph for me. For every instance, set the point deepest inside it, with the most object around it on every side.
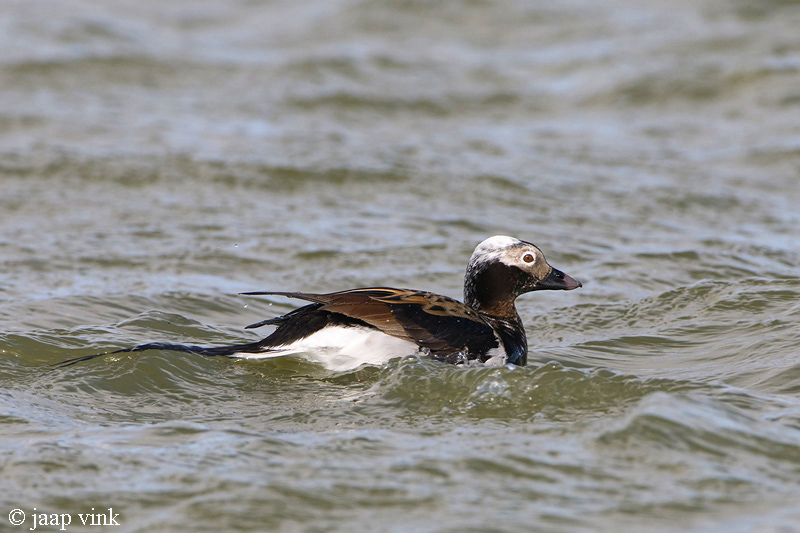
(157, 158)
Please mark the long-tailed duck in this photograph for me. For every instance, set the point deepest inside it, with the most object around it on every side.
(346, 329)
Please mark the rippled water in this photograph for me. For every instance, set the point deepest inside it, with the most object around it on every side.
(156, 159)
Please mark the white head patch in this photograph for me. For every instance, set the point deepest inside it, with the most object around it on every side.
(496, 244)
(501, 248)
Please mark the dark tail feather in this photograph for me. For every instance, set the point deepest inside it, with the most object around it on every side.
(267, 322)
(226, 351)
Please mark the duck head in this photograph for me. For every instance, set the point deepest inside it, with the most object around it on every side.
(501, 268)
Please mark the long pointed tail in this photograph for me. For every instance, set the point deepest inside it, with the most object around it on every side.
(226, 351)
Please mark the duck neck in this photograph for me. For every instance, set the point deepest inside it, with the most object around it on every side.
(491, 289)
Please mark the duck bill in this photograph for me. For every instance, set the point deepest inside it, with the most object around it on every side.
(557, 281)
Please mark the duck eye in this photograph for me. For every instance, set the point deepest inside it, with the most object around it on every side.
(528, 258)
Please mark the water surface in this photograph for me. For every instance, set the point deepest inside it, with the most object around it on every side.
(156, 159)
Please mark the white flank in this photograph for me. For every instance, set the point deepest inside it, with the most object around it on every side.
(497, 356)
(342, 348)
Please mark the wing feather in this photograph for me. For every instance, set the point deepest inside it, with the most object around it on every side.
(441, 324)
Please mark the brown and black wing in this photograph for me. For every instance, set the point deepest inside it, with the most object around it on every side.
(443, 325)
